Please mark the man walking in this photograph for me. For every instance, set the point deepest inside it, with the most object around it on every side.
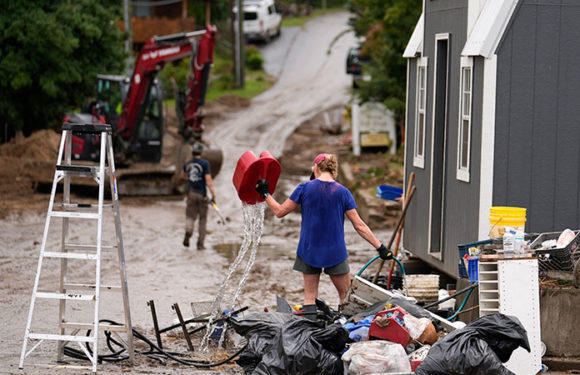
(197, 173)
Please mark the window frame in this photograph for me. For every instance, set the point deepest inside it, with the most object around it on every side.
(419, 159)
(463, 171)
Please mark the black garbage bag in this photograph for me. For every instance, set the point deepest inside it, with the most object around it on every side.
(480, 348)
(303, 347)
(281, 344)
(259, 329)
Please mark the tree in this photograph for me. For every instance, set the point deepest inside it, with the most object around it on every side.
(50, 54)
(387, 26)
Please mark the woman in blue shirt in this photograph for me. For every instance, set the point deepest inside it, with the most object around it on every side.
(324, 203)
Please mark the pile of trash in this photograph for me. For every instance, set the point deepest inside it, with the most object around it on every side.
(390, 337)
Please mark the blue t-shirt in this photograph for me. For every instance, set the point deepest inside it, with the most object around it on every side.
(196, 169)
(324, 204)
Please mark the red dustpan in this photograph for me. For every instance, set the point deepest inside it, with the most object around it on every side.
(250, 169)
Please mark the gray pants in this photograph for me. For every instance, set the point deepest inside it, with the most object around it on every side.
(196, 207)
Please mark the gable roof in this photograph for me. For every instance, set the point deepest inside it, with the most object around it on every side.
(489, 28)
(485, 35)
(415, 45)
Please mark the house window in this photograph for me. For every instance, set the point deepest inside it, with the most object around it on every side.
(419, 147)
(464, 137)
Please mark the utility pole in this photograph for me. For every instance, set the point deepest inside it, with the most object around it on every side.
(240, 57)
(233, 34)
(207, 13)
(128, 40)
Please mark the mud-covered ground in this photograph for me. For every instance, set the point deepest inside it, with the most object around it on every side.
(287, 120)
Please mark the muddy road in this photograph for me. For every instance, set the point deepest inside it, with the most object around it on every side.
(309, 65)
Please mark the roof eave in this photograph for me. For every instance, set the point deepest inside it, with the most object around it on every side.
(415, 45)
(489, 28)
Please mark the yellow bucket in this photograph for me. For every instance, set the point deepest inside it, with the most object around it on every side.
(501, 217)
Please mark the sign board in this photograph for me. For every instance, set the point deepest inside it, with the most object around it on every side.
(375, 140)
(376, 126)
(375, 118)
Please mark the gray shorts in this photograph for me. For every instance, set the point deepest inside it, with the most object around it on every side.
(339, 269)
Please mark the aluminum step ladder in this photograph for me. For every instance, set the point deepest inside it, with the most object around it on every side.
(83, 294)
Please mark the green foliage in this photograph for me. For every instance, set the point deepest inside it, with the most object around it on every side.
(387, 25)
(256, 83)
(254, 59)
(177, 71)
(50, 54)
(219, 11)
(376, 172)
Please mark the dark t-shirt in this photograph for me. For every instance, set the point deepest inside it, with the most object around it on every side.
(196, 169)
(324, 204)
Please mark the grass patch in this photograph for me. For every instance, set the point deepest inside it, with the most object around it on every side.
(256, 83)
(222, 81)
(299, 21)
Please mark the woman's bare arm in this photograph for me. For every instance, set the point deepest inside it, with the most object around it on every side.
(281, 210)
(362, 229)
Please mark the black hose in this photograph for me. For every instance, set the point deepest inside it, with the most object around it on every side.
(154, 351)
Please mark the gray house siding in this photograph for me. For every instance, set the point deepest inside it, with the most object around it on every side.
(416, 220)
(537, 130)
(461, 200)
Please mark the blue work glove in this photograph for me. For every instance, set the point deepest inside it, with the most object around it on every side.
(384, 253)
(263, 188)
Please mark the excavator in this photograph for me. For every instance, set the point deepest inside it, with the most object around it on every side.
(133, 107)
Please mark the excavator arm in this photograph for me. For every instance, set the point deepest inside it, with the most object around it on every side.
(199, 45)
(132, 105)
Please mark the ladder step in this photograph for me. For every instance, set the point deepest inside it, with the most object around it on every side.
(78, 170)
(74, 215)
(87, 326)
(44, 336)
(88, 128)
(90, 288)
(68, 296)
(77, 247)
(59, 254)
(82, 207)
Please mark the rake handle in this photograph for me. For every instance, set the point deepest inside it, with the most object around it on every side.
(398, 227)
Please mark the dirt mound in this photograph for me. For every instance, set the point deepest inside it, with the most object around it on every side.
(23, 162)
(215, 110)
(233, 101)
(41, 145)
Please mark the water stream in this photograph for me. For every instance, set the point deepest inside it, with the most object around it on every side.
(228, 292)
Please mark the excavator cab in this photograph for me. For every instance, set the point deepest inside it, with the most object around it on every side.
(145, 143)
(111, 93)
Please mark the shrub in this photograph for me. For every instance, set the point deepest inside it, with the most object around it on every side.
(254, 59)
